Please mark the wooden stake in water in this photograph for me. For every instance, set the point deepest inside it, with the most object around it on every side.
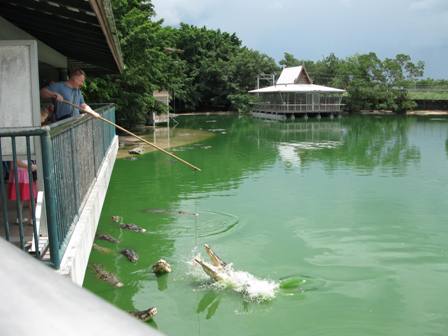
(97, 116)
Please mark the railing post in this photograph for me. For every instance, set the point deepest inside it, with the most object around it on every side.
(18, 194)
(3, 196)
(50, 196)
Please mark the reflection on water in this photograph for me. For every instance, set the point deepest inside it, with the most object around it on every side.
(210, 301)
(162, 282)
(357, 205)
(446, 146)
(378, 143)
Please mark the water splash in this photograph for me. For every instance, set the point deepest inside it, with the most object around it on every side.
(251, 287)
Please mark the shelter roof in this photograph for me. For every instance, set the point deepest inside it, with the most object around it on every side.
(82, 30)
(298, 88)
(291, 75)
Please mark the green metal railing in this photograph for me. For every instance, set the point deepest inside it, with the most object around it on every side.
(72, 153)
(14, 136)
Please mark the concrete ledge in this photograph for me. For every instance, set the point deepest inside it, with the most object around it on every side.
(54, 306)
(76, 257)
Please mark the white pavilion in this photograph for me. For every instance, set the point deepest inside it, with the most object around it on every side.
(294, 95)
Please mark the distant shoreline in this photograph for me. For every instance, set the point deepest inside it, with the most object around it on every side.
(428, 113)
(376, 113)
(205, 113)
(421, 113)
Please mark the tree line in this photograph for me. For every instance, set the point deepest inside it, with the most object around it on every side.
(209, 70)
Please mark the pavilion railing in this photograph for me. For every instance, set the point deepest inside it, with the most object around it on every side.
(297, 108)
(72, 153)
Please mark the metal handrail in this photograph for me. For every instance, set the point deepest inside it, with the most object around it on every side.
(79, 146)
(72, 153)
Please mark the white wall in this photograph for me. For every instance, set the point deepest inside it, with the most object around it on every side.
(46, 54)
(19, 90)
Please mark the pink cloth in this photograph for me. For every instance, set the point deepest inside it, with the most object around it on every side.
(24, 184)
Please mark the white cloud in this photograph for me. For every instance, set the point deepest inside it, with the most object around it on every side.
(177, 11)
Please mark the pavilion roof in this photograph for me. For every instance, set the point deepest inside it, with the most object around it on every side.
(298, 88)
(292, 75)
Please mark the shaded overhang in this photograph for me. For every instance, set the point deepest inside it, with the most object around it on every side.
(299, 88)
(82, 30)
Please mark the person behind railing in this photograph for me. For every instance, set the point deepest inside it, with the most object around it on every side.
(25, 190)
(70, 91)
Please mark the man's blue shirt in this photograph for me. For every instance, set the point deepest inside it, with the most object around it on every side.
(72, 95)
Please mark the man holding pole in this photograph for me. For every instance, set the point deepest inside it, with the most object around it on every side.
(70, 91)
(70, 102)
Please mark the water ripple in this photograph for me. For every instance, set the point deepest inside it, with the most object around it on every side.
(204, 223)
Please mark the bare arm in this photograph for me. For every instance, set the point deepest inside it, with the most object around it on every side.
(45, 93)
(89, 109)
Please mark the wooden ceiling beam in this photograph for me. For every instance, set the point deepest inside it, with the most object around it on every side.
(56, 10)
(28, 18)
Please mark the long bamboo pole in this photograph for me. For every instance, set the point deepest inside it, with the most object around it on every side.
(97, 116)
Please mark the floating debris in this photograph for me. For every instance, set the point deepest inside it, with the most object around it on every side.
(144, 315)
(137, 151)
(107, 237)
(217, 130)
(161, 267)
(117, 219)
(130, 254)
(104, 275)
(132, 227)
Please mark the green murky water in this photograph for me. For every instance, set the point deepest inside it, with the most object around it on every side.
(351, 215)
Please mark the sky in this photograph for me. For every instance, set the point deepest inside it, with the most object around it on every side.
(312, 29)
